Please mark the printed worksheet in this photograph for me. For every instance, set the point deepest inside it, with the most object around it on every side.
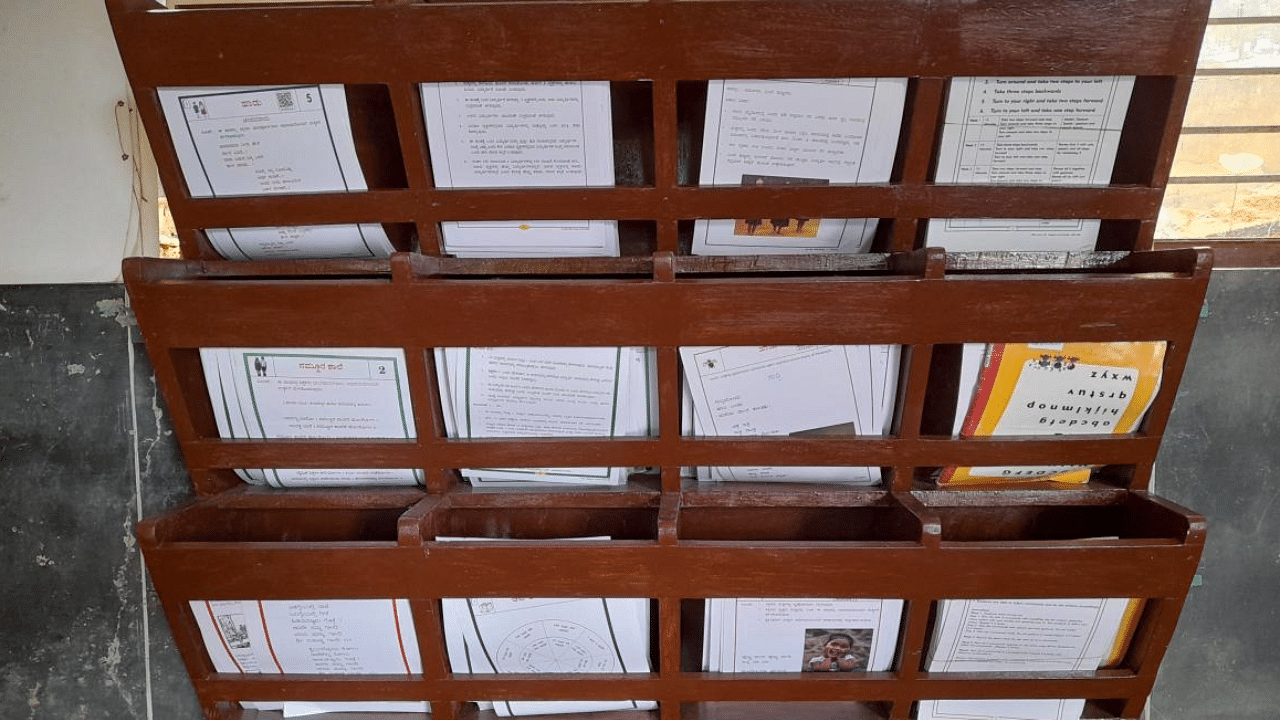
(522, 134)
(330, 637)
(796, 133)
(1027, 130)
(340, 393)
(1031, 635)
(546, 392)
(321, 392)
(302, 242)
(789, 389)
(549, 635)
(262, 140)
(233, 141)
(1000, 709)
(800, 635)
(1041, 131)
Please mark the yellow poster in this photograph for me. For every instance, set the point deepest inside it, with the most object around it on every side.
(1058, 389)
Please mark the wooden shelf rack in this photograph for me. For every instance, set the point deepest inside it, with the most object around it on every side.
(675, 542)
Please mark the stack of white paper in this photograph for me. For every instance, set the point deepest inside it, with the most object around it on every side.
(795, 133)
(307, 708)
(972, 357)
(799, 635)
(331, 637)
(786, 389)
(524, 392)
(266, 140)
(548, 635)
(1030, 635)
(1000, 709)
(1042, 131)
(339, 393)
(522, 134)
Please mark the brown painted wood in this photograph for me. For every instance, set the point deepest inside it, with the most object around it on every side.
(659, 56)
(677, 542)
(1235, 254)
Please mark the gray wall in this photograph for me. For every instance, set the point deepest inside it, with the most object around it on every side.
(1221, 457)
(85, 449)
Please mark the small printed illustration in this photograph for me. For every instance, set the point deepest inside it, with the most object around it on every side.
(797, 227)
(234, 631)
(554, 646)
(836, 650)
(260, 366)
(1056, 362)
(197, 109)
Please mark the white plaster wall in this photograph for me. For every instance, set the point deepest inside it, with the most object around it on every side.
(77, 184)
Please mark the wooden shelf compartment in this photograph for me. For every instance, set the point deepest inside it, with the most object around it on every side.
(285, 557)
(1145, 296)
(658, 56)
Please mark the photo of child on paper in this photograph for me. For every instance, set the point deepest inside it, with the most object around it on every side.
(830, 650)
(798, 227)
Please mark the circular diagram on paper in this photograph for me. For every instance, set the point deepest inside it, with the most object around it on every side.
(554, 646)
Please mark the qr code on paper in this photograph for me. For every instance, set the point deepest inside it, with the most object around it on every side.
(284, 100)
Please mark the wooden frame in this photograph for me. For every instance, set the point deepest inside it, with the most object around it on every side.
(679, 542)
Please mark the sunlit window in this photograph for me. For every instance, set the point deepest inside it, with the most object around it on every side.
(1225, 182)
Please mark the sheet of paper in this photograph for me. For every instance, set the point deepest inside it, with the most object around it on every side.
(787, 389)
(1028, 130)
(299, 708)
(545, 392)
(1027, 635)
(794, 133)
(644, 391)
(1000, 709)
(803, 634)
(972, 358)
(339, 637)
(262, 140)
(522, 134)
(531, 238)
(1058, 389)
(279, 393)
(1001, 234)
(542, 392)
(321, 393)
(364, 240)
(548, 635)
(557, 635)
(882, 362)
(1042, 131)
